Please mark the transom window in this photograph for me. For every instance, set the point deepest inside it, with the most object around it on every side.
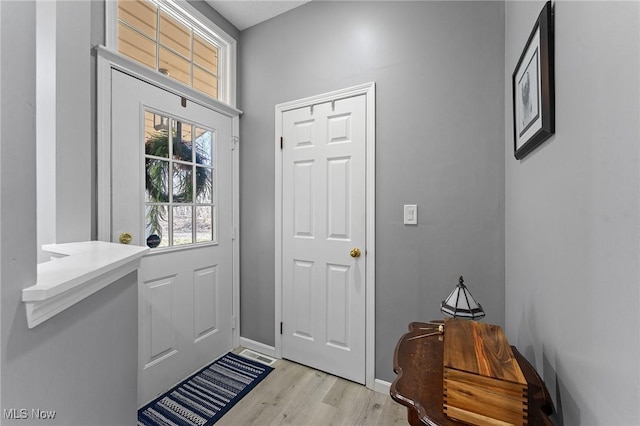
(163, 36)
(180, 195)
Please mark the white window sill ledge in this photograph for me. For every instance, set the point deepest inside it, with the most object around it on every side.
(76, 271)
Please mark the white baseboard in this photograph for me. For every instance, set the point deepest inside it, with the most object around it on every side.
(381, 386)
(258, 347)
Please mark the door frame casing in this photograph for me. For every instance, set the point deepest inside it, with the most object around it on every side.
(108, 60)
(368, 90)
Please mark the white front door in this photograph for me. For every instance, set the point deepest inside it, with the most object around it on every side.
(172, 187)
(323, 227)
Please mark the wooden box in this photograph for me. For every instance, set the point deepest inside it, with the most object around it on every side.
(482, 381)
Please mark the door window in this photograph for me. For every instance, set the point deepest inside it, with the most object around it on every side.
(180, 184)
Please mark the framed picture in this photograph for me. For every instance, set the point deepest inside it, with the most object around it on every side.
(533, 88)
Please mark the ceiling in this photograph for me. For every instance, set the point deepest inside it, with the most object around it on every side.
(247, 13)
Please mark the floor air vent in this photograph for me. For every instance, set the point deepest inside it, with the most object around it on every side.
(264, 359)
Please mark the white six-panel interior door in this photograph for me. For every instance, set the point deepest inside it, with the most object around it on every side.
(185, 293)
(324, 236)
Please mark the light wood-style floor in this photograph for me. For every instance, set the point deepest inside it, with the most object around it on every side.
(298, 395)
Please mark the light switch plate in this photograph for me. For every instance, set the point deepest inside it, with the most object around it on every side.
(410, 214)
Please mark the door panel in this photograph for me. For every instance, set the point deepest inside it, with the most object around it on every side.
(205, 302)
(161, 340)
(303, 299)
(338, 304)
(338, 198)
(323, 219)
(185, 291)
(303, 207)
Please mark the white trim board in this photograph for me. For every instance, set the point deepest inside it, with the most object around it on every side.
(80, 269)
(367, 89)
(382, 387)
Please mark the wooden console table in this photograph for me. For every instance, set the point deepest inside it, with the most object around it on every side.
(418, 363)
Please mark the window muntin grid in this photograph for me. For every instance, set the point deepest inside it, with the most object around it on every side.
(154, 36)
(180, 182)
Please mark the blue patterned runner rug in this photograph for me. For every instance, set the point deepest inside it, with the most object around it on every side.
(207, 395)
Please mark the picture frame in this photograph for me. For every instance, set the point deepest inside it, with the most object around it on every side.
(533, 87)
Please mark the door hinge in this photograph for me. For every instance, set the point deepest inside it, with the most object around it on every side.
(234, 142)
(234, 322)
(280, 327)
(234, 233)
(281, 142)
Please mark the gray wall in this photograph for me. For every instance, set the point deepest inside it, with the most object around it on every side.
(81, 363)
(74, 148)
(439, 71)
(213, 15)
(573, 216)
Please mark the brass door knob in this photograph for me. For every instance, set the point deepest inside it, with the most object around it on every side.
(125, 238)
(355, 252)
